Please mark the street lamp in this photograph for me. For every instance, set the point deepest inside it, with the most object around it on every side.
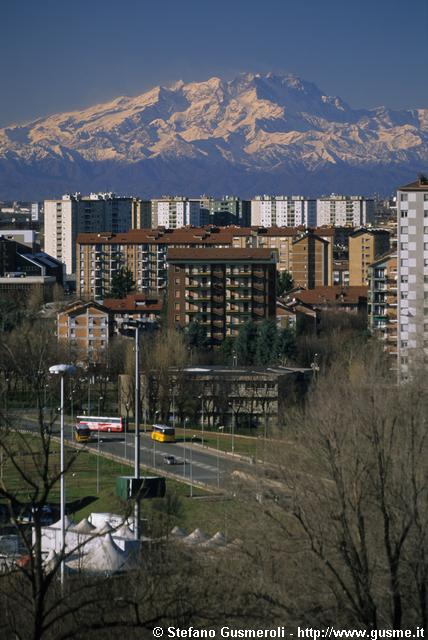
(201, 398)
(100, 399)
(136, 324)
(221, 428)
(186, 420)
(62, 370)
(233, 426)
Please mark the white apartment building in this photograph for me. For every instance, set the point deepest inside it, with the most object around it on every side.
(283, 211)
(412, 216)
(176, 212)
(74, 214)
(344, 211)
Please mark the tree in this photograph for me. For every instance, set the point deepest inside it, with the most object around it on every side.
(267, 338)
(197, 336)
(122, 283)
(350, 498)
(286, 345)
(245, 344)
(284, 283)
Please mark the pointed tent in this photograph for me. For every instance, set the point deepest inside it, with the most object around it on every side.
(106, 557)
(106, 528)
(178, 532)
(196, 537)
(51, 561)
(84, 526)
(68, 524)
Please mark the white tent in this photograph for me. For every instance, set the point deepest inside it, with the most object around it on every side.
(106, 528)
(68, 524)
(178, 532)
(216, 542)
(124, 532)
(196, 537)
(106, 557)
(84, 526)
(51, 561)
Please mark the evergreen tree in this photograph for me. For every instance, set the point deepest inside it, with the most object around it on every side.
(121, 284)
(286, 345)
(246, 343)
(197, 336)
(267, 340)
(284, 283)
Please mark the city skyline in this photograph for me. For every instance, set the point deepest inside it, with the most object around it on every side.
(115, 51)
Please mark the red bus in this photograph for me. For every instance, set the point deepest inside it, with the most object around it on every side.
(100, 423)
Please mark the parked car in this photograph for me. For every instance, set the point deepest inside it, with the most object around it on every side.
(170, 460)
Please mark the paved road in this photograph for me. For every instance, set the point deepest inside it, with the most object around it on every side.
(203, 466)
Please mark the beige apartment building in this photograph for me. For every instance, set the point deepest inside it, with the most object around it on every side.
(85, 327)
(312, 264)
(365, 246)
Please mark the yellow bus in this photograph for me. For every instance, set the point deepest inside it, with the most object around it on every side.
(163, 433)
(82, 434)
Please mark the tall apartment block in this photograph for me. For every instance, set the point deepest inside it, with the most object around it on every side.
(283, 211)
(344, 211)
(142, 214)
(74, 214)
(412, 255)
(176, 212)
(228, 210)
(311, 262)
(221, 288)
(365, 246)
(382, 301)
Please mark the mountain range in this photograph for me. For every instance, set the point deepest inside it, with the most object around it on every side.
(253, 134)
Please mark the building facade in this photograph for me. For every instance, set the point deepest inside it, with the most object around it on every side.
(412, 257)
(365, 246)
(312, 265)
(344, 211)
(221, 288)
(74, 214)
(283, 211)
(228, 210)
(176, 212)
(382, 302)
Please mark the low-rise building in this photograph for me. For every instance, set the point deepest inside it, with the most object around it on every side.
(335, 298)
(85, 327)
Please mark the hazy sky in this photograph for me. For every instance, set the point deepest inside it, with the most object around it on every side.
(57, 55)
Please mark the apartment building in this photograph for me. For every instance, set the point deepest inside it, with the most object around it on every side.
(228, 210)
(344, 211)
(143, 252)
(382, 301)
(312, 265)
(74, 214)
(365, 246)
(141, 214)
(221, 288)
(283, 211)
(86, 327)
(281, 239)
(412, 259)
(176, 212)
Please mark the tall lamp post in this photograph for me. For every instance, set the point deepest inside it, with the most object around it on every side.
(201, 398)
(62, 370)
(221, 428)
(136, 325)
(233, 426)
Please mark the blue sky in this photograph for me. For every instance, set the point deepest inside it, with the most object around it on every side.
(57, 55)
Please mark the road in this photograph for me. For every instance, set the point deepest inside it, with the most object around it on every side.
(194, 463)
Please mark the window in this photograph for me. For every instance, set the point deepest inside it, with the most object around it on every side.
(404, 343)
(404, 295)
(403, 246)
(177, 306)
(404, 279)
(404, 229)
(404, 214)
(425, 246)
(403, 197)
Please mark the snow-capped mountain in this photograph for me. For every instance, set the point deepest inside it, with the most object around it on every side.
(253, 134)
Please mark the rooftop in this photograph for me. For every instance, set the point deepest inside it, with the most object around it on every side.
(221, 255)
(331, 295)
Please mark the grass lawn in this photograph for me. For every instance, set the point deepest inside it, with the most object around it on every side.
(205, 510)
